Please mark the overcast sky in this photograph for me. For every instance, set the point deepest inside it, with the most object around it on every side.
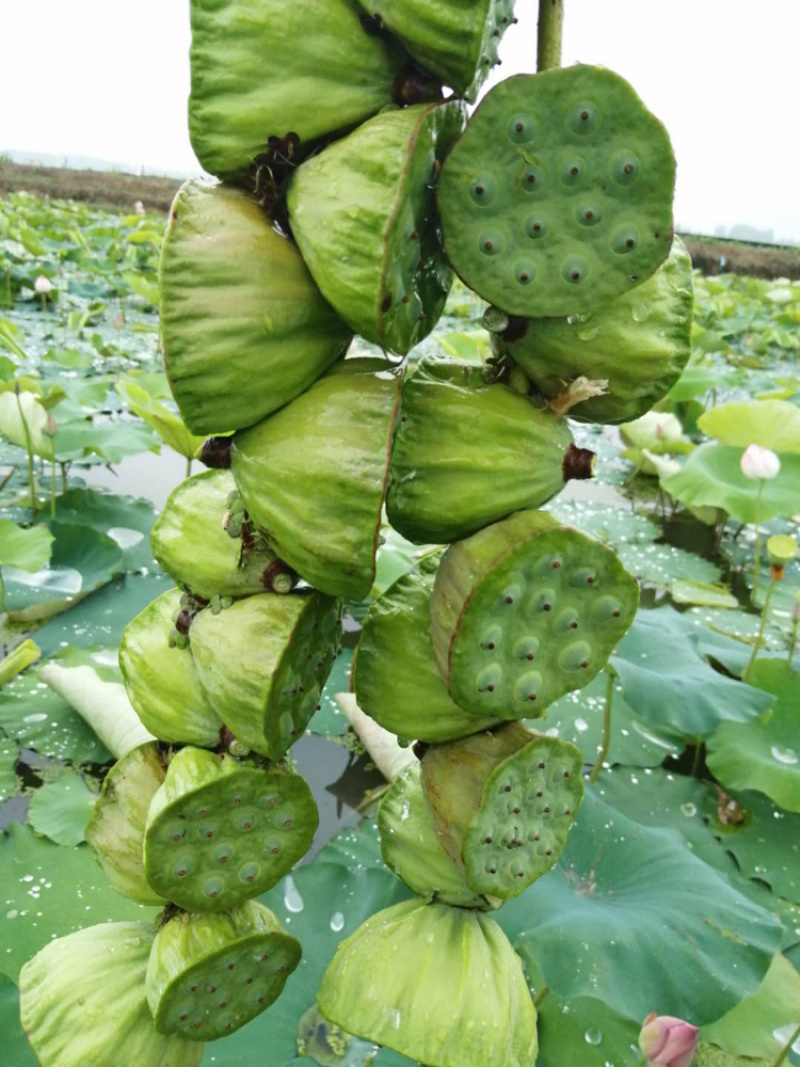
(110, 80)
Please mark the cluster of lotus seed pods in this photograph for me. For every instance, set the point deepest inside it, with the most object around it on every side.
(348, 192)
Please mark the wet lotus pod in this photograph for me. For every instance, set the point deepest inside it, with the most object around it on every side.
(639, 343)
(467, 453)
(411, 847)
(245, 328)
(115, 829)
(210, 974)
(363, 212)
(440, 985)
(262, 68)
(525, 611)
(221, 831)
(190, 541)
(313, 475)
(395, 676)
(161, 680)
(558, 197)
(263, 662)
(83, 1004)
(456, 41)
(502, 804)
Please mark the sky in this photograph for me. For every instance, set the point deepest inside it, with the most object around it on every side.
(110, 81)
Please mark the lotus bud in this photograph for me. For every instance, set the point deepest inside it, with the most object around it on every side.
(138, 208)
(760, 463)
(42, 286)
(782, 550)
(668, 1042)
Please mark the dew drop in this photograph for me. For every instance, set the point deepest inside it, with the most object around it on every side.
(291, 896)
(337, 922)
(787, 756)
(593, 1036)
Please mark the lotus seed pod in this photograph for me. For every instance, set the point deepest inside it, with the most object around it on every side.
(208, 975)
(395, 676)
(115, 829)
(221, 831)
(639, 343)
(161, 679)
(558, 197)
(467, 453)
(83, 1004)
(440, 985)
(502, 804)
(313, 475)
(456, 41)
(263, 663)
(526, 611)
(363, 212)
(262, 68)
(411, 848)
(244, 326)
(191, 543)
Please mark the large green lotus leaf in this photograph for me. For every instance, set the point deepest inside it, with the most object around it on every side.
(51, 891)
(670, 685)
(170, 427)
(364, 215)
(662, 565)
(329, 720)
(126, 519)
(638, 343)
(763, 1023)
(684, 591)
(312, 475)
(632, 916)
(245, 328)
(772, 424)
(696, 380)
(106, 440)
(711, 1056)
(457, 42)
(9, 783)
(607, 522)
(27, 549)
(712, 477)
(59, 809)
(264, 69)
(23, 417)
(763, 754)
(16, 1049)
(584, 1032)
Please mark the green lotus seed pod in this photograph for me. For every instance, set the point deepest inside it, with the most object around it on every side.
(194, 548)
(411, 848)
(363, 212)
(313, 475)
(639, 343)
(440, 985)
(395, 677)
(525, 611)
(263, 68)
(263, 663)
(458, 41)
(502, 804)
(208, 975)
(558, 197)
(83, 1004)
(244, 326)
(161, 679)
(467, 453)
(115, 829)
(221, 831)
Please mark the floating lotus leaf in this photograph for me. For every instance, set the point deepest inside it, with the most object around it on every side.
(639, 343)
(363, 212)
(441, 985)
(161, 680)
(82, 1001)
(208, 975)
(245, 328)
(558, 197)
(59, 809)
(467, 453)
(313, 475)
(263, 662)
(773, 424)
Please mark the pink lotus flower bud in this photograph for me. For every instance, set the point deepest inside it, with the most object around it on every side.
(758, 462)
(668, 1042)
(138, 208)
(42, 286)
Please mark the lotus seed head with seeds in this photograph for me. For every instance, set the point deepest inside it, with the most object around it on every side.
(558, 196)
(526, 611)
(467, 453)
(209, 975)
(221, 831)
(263, 663)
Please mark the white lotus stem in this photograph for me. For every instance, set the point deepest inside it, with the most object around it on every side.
(104, 705)
(387, 754)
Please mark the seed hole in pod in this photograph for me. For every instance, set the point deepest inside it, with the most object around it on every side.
(575, 270)
(520, 874)
(222, 853)
(515, 811)
(544, 601)
(487, 840)
(572, 172)
(565, 774)
(526, 648)
(182, 867)
(492, 870)
(231, 966)
(213, 887)
(491, 638)
(528, 687)
(537, 837)
(567, 811)
(482, 191)
(539, 793)
(541, 765)
(524, 272)
(269, 800)
(532, 180)
(246, 821)
(197, 1026)
(536, 227)
(547, 810)
(506, 788)
(567, 620)
(589, 214)
(583, 119)
(583, 576)
(184, 1017)
(548, 852)
(248, 981)
(261, 1000)
(491, 243)
(625, 239)
(625, 168)
(521, 129)
(575, 656)
(177, 833)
